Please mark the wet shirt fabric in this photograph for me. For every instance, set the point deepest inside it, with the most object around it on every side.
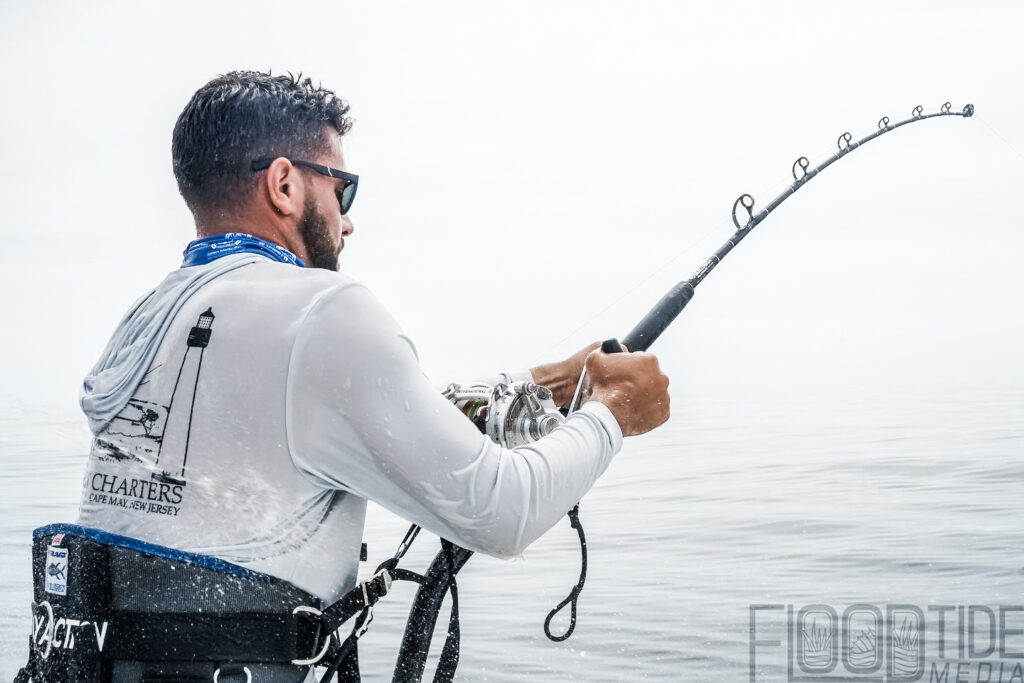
(276, 401)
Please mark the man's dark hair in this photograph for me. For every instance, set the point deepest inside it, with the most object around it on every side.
(247, 115)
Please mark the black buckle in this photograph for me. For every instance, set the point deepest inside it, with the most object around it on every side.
(317, 614)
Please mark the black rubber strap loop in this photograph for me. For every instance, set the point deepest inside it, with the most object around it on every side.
(573, 597)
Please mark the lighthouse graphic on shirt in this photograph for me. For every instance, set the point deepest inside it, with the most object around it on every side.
(140, 460)
(172, 454)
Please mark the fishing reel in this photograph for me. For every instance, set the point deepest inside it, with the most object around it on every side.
(510, 413)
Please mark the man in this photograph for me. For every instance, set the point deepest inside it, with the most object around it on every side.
(249, 406)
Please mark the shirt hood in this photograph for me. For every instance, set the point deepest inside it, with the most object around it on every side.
(119, 371)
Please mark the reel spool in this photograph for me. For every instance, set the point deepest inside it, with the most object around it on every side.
(510, 413)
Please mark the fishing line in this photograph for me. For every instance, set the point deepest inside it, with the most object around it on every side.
(624, 295)
(994, 131)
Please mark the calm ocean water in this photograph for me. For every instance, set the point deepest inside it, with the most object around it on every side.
(850, 498)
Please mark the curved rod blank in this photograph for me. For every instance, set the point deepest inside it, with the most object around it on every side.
(670, 305)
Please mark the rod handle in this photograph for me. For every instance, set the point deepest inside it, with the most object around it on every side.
(660, 317)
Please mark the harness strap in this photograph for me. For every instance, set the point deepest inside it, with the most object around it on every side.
(344, 659)
(255, 638)
(361, 599)
(365, 595)
(449, 660)
(258, 638)
(423, 616)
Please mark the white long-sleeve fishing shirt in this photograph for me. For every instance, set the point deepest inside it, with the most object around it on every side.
(262, 446)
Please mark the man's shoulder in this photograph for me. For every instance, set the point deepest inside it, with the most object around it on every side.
(266, 291)
(285, 278)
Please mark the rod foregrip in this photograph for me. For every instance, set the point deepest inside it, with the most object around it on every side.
(659, 318)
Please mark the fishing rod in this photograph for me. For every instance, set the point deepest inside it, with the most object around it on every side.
(671, 305)
(440, 577)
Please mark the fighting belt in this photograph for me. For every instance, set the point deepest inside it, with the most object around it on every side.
(113, 609)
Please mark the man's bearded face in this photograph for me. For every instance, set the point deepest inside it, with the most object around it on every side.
(321, 250)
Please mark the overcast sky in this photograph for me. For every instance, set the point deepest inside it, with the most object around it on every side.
(524, 165)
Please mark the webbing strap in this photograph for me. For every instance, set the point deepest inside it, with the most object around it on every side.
(449, 660)
(365, 595)
(260, 638)
(343, 661)
(249, 637)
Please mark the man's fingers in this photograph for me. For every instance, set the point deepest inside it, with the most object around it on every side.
(633, 387)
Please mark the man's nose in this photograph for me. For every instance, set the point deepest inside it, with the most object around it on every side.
(346, 226)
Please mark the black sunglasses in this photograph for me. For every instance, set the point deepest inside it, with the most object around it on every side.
(346, 195)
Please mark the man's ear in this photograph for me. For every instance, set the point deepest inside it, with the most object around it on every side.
(284, 187)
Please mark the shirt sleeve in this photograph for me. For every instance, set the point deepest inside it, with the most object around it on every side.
(362, 417)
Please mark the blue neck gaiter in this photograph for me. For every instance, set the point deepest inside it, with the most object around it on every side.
(203, 251)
